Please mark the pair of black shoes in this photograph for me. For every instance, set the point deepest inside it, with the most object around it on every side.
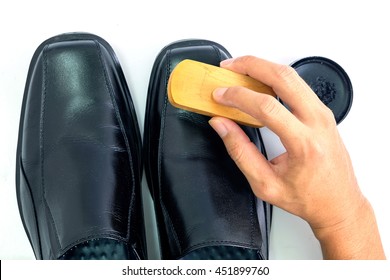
(80, 162)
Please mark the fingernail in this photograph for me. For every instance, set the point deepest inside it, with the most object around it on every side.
(218, 93)
(226, 62)
(219, 127)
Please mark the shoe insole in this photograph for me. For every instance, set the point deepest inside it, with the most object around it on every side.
(222, 252)
(192, 83)
(99, 249)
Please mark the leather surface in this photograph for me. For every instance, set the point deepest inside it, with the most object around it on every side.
(79, 153)
(201, 198)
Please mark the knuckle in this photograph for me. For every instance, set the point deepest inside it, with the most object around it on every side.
(286, 74)
(236, 152)
(269, 106)
(247, 59)
(236, 90)
(265, 190)
(312, 150)
(325, 118)
(244, 64)
(316, 150)
(328, 117)
(233, 95)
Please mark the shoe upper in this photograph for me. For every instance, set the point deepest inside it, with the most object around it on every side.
(204, 206)
(79, 156)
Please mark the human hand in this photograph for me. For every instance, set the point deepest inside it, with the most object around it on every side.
(314, 178)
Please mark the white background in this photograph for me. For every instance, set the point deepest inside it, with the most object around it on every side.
(355, 34)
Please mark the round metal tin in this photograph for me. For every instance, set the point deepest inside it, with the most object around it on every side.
(329, 81)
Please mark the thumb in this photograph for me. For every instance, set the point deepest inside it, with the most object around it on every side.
(246, 155)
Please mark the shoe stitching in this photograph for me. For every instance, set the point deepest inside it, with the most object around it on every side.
(264, 239)
(39, 245)
(161, 149)
(252, 199)
(42, 142)
(252, 205)
(115, 237)
(219, 243)
(117, 115)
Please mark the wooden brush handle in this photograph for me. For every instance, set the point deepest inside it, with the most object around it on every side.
(192, 83)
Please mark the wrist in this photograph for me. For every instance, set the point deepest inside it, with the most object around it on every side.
(354, 237)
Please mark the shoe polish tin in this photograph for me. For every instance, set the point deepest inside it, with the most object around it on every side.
(329, 81)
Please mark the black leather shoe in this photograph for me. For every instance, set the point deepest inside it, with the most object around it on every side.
(204, 206)
(79, 164)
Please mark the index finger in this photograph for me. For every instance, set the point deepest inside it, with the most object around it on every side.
(264, 108)
(283, 79)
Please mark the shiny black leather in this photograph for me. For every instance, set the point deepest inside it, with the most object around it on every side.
(79, 164)
(204, 206)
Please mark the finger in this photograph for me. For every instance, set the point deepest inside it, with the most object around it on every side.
(284, 80)
(247, 157)
(266, 109)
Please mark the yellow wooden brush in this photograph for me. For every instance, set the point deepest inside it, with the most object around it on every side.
(192, 83)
